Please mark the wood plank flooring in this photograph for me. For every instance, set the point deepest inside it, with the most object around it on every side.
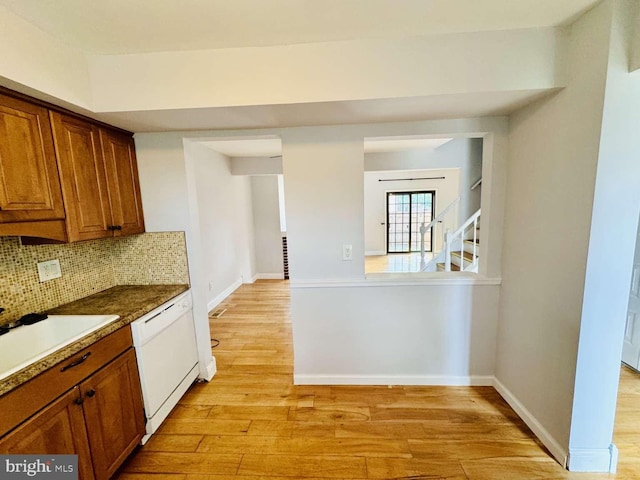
(251, 423)
(394, 262)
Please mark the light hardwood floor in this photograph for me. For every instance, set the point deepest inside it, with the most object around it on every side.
(394, 262)
(251, 423)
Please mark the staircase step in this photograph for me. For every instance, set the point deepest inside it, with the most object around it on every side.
(470, 241)
(472, 247)
(454, 267)
(468, 256)
(465, 260)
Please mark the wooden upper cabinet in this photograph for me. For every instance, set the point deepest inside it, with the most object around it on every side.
(99, 177)
(29, 183)
(84, 183)
(123, 182)
(64, 177)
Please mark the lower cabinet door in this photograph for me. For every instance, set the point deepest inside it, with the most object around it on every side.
(56, 429)
(113, 413)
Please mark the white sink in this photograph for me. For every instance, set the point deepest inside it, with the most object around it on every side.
(27, 344)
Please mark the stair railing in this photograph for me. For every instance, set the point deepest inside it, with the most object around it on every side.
(457, 238)
(454, 242)
(425, 228)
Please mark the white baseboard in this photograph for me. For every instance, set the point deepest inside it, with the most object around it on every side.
(209, 370)
(370, 253)
(224, 294)
(593, 459)
(448, 380)
(558, 452)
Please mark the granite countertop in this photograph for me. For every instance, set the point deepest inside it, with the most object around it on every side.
(130, 302)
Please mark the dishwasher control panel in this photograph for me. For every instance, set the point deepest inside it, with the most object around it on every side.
(149, 325)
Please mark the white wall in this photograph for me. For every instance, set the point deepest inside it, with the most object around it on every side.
(634, 63)
(553, 152)
(331, 71)
(612, 237)
(375, 202)
(163, 182)
(226, 222)
(470, 174)
(36, 63)
(266, 226)
(323, 174)
(256, 165)
(384, 335)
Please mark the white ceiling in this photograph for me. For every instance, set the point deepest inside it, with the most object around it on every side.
(247, 147)
(135, 26)
(396, 144)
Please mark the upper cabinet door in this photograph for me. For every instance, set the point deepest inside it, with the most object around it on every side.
(83, 177)
(29, 183)
(124, 186)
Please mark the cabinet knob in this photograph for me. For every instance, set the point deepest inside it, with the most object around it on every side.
(78, 401)
(91, 393)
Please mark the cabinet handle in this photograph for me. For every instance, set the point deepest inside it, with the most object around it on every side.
(118, 227)
(90, 393)
(78, 401)
(76, 362)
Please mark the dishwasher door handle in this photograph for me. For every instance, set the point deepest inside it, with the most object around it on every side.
(155, 316)
(159, 313)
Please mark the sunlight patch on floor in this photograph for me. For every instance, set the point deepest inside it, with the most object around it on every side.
(394, 262)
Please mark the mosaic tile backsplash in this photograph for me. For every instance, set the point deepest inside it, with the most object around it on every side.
(87, 268)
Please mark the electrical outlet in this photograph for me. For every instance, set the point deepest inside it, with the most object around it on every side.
(49, 270)
(347, 252)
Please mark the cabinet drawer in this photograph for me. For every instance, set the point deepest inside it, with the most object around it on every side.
(22, 402)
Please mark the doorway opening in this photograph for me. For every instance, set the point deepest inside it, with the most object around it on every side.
(406, 211)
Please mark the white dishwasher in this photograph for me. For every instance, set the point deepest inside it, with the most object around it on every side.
(165, 343)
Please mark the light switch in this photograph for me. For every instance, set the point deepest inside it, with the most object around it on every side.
(347, 252)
